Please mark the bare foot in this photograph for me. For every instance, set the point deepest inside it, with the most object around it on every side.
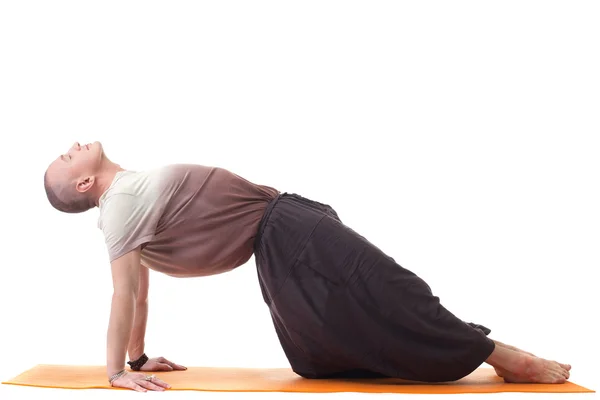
(512, 378)
(515, 366)
(509, 377)
(502, 372)
(539, 370)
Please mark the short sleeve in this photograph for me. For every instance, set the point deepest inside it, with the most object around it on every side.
(126, 222)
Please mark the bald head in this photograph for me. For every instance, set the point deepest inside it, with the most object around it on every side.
(75, 181)
(63, 196)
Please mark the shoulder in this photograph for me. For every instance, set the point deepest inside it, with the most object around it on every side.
(129, 186)
(115, 209)
(130, 192)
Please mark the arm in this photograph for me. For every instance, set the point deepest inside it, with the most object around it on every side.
(136, 342)
(126, 283)
(129, 316)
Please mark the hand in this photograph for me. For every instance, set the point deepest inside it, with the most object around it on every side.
(140, 382)
(161, 364)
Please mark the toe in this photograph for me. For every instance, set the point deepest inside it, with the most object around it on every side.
(558, 378)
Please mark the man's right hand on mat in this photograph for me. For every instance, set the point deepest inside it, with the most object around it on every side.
(140, 382)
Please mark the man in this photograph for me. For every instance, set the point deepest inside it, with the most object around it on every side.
(340, 306)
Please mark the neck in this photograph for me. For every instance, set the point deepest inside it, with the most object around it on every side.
(105, 178)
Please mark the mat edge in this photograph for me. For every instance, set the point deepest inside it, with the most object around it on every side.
(585, 390)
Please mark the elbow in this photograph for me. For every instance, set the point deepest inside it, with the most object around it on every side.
(141, 302)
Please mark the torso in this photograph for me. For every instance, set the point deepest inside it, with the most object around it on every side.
(190, 220)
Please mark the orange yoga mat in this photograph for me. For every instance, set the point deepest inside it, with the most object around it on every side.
(483, 380)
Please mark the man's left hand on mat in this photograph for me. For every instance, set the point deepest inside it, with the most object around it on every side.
(161, 364)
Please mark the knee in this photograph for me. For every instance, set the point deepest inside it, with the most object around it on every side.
(306, 374)
(450, 375)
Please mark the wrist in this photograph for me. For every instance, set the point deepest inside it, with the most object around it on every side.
(137, 364)
(116, 375)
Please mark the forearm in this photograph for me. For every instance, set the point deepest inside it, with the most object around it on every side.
(119, 330)
(136, 342)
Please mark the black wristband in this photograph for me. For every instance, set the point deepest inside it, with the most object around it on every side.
(137, 364)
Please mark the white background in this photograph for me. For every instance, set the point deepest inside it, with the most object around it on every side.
(460, 137)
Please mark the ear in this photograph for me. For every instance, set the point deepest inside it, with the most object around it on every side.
(85, 184)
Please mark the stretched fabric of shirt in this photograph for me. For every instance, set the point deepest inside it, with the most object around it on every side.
(190, 220)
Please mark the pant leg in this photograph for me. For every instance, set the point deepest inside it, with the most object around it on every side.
(382, 317)
(342, 307)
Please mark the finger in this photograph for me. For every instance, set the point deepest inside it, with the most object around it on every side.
(163, 367)
(127, 384)
(156, 366)
(151, 386)
(178, 367)
(137, 387)
(173, 365)
(160, 382)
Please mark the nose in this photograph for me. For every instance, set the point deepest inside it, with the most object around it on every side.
(76, 146)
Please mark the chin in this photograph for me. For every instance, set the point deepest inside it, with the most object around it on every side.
(98, 147)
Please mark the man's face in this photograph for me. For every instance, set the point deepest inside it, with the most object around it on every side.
(79, 162)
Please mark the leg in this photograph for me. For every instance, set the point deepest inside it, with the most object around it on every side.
(498, 343)
(517, 366)
(372, 314)
(343, 305)
(499, 371)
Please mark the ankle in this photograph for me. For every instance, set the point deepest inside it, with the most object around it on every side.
(509, 360)
(529, 366)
